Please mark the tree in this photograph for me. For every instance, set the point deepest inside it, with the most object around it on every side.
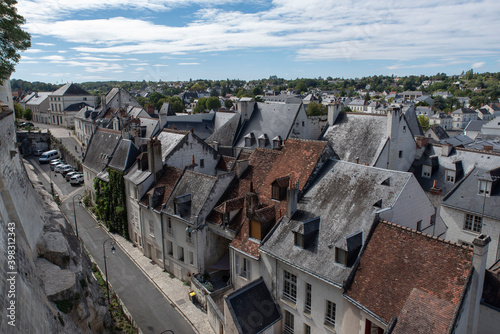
(367, 97)
(12, 38)
(18, 110)
(228, 103)
(315, 109)
(439, 102)
(154, 98)
(213, 102)
(301, 87)
(28, 114)
(201, 105)
(424, 122)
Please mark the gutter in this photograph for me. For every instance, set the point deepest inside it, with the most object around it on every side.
(364, 309)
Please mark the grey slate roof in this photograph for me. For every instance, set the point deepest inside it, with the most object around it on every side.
(463, 111)
(202, 124)
(458, 140)
(166, 109)
(125, 155)
(466, 197)
(70, 90)
(412, 119)
(357, 136)
(253, 308)
(152, 126)
(270, 119)
(440, 115)
(343, 197)
(458, 157)
(475, 125)
(169, 141)
(135, 175)
(101, 149)
(439, 132)
(225, 134)
(37, 98)
(76, 106)
(203, 191)
(136, 112)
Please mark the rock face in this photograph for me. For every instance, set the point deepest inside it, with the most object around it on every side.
(49, 287)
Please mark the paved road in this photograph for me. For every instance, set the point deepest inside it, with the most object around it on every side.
(149, 308)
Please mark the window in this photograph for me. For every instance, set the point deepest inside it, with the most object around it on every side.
(189, 236)
(255, 231)
(330, 313)
(151, 229)
(299, 239)
(484, 187)
(450, 176)
(158, 254)
(289, 323)
(170, 248)
(169, 226)
(404, 128)
(246, 267)
(289, 286)
(419, 225)
(400, 154)
(202, 163)
(191, 257)
(473, 223)
(307, 329)
(308, 299)
(340, 256)
(180, 253)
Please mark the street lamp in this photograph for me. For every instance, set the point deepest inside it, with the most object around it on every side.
(74, 212)
(113, 250)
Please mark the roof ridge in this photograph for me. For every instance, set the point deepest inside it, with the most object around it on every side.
(408, 229)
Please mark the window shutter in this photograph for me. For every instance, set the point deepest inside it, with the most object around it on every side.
(249, 269)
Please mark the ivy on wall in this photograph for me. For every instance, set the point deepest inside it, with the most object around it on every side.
(110, 202)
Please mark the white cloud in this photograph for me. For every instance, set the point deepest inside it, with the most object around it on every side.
(478, 64)
(33, 51)
(187, 64)
(45, 44)
(322, 30)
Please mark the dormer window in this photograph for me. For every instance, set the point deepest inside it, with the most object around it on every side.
(304, 235)
(279, 187)
(263, 140)
(277, 142)
(182, 206)
(485, 187)
(255, 229)
(354, 243)
(450, 176)
(340, 256)
(426, 171)
(249, 139)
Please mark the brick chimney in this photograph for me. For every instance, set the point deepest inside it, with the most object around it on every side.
(488, 148)
(435, 190)
(479, 259)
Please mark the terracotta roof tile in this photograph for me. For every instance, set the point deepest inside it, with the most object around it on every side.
(398, 260)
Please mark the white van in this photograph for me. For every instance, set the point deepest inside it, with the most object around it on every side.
(47, 156)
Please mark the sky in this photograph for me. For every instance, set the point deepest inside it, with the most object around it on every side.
(170, 40)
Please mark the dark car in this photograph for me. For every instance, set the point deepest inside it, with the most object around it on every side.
(26, 124)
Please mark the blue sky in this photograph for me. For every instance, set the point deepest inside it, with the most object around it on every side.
(168, 40)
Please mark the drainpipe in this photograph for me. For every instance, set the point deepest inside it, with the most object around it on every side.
(479, 258)
(162, 238)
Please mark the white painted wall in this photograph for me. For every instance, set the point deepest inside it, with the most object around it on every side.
(6, 94)
(455, 219)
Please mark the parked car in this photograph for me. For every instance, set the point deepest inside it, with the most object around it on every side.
(77, 179)
(57, 163)
(67, 169)
(38, 152)
(70, 174)
(48, 156)
(26, 124)
(60, 167)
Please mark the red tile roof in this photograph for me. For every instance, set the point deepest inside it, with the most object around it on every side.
(398, 260)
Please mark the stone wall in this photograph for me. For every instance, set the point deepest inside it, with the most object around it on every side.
(49, 287)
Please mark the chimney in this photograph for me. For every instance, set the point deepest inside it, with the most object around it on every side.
(422, 141)
(333, 112)
(357, 160)
(240, 167)
(251, 203)
(292, 195)
(479, 258)
(151, 109)
(435, 190)
(103, 102)
(488, 148)
(154, 157)
(215, 145)
(446, 150)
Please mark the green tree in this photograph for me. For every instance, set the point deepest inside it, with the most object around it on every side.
(228, 103)
(154, 98)
(424, 122)
(18, 110)
(201, 105)
(301, 87)
(213, 102)
(12, 38)
(367, 97)
(256, 91)
(28, 114)
(315, 109)
(439, 102)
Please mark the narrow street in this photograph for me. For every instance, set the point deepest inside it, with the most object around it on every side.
(150, 309)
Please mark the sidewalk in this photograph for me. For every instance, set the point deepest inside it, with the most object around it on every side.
(172, 288)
